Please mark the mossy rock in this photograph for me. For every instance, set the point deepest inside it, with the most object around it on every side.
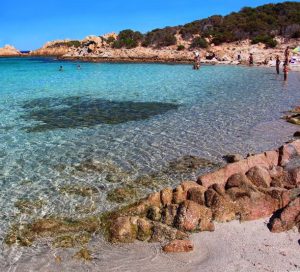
(84, 191)
(26, 234)
(83, 254)
(85, 209)
(294, 120)
(122, 195)
(153, 181)
(188, 164)
(69, 241)
(27, 206)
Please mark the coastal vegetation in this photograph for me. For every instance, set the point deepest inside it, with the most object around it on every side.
(259, 24)
(128, 39)
(73, 43)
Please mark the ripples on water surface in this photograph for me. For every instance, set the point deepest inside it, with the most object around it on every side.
(68, 138)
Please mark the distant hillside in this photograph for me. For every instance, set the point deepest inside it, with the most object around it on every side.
(259, 24)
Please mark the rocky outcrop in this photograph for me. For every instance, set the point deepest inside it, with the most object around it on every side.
(99, 49)
(9, 50)
(54, 48)
(253, 188)
(259, 186)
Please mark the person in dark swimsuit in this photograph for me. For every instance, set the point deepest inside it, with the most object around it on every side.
(251, 61)
(277, 64)
(287, 55)
(285, 71)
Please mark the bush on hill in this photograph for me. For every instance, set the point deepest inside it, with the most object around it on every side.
(267, 40)
(199, 42)
(180, 47)
(160, 37)
(128, 39)
(272, 19)
(68, 44)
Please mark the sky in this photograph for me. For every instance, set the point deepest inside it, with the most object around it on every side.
(29, 24)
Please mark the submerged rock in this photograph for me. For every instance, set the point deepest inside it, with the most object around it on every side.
(121, 195)
(76, 112)
(189, 163)
(26, 234)
(69, 241)
(84, 191)
(83, 254)
(27, 206)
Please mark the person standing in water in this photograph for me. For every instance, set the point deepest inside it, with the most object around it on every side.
(277, 64)
(60, 69)
(196, 60)
(251, 61)
(285, 71)
(287, 55)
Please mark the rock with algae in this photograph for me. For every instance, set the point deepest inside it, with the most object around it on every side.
(84, 191)
(83, 254)
(70, 231)
(121, 195)
(72, 240)
(27, 206)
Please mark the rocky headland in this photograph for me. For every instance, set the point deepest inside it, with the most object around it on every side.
(8, 51)
(97, 49)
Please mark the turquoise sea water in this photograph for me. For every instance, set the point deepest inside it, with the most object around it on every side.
(105, 125)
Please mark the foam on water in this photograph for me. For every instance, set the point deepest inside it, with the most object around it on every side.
(77, 127)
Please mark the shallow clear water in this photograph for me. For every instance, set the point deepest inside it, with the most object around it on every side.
(105, 125)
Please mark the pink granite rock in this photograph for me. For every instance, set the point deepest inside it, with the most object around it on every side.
(288, 217)
(259, 176)
(288, 151)
(179, 246)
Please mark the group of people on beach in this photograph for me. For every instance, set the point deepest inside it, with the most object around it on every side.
(278, 62)
(285, 70)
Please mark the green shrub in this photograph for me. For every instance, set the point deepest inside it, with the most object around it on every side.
(160, 37)
(110, 39)
(67, 43)
(265, 39)
(128, 39)
(279, 19)
(199, 42)
(180, 47)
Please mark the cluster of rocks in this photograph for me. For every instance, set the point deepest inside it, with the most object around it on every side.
(256, 187)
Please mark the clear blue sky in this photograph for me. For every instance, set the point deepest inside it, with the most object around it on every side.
(29, 24)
